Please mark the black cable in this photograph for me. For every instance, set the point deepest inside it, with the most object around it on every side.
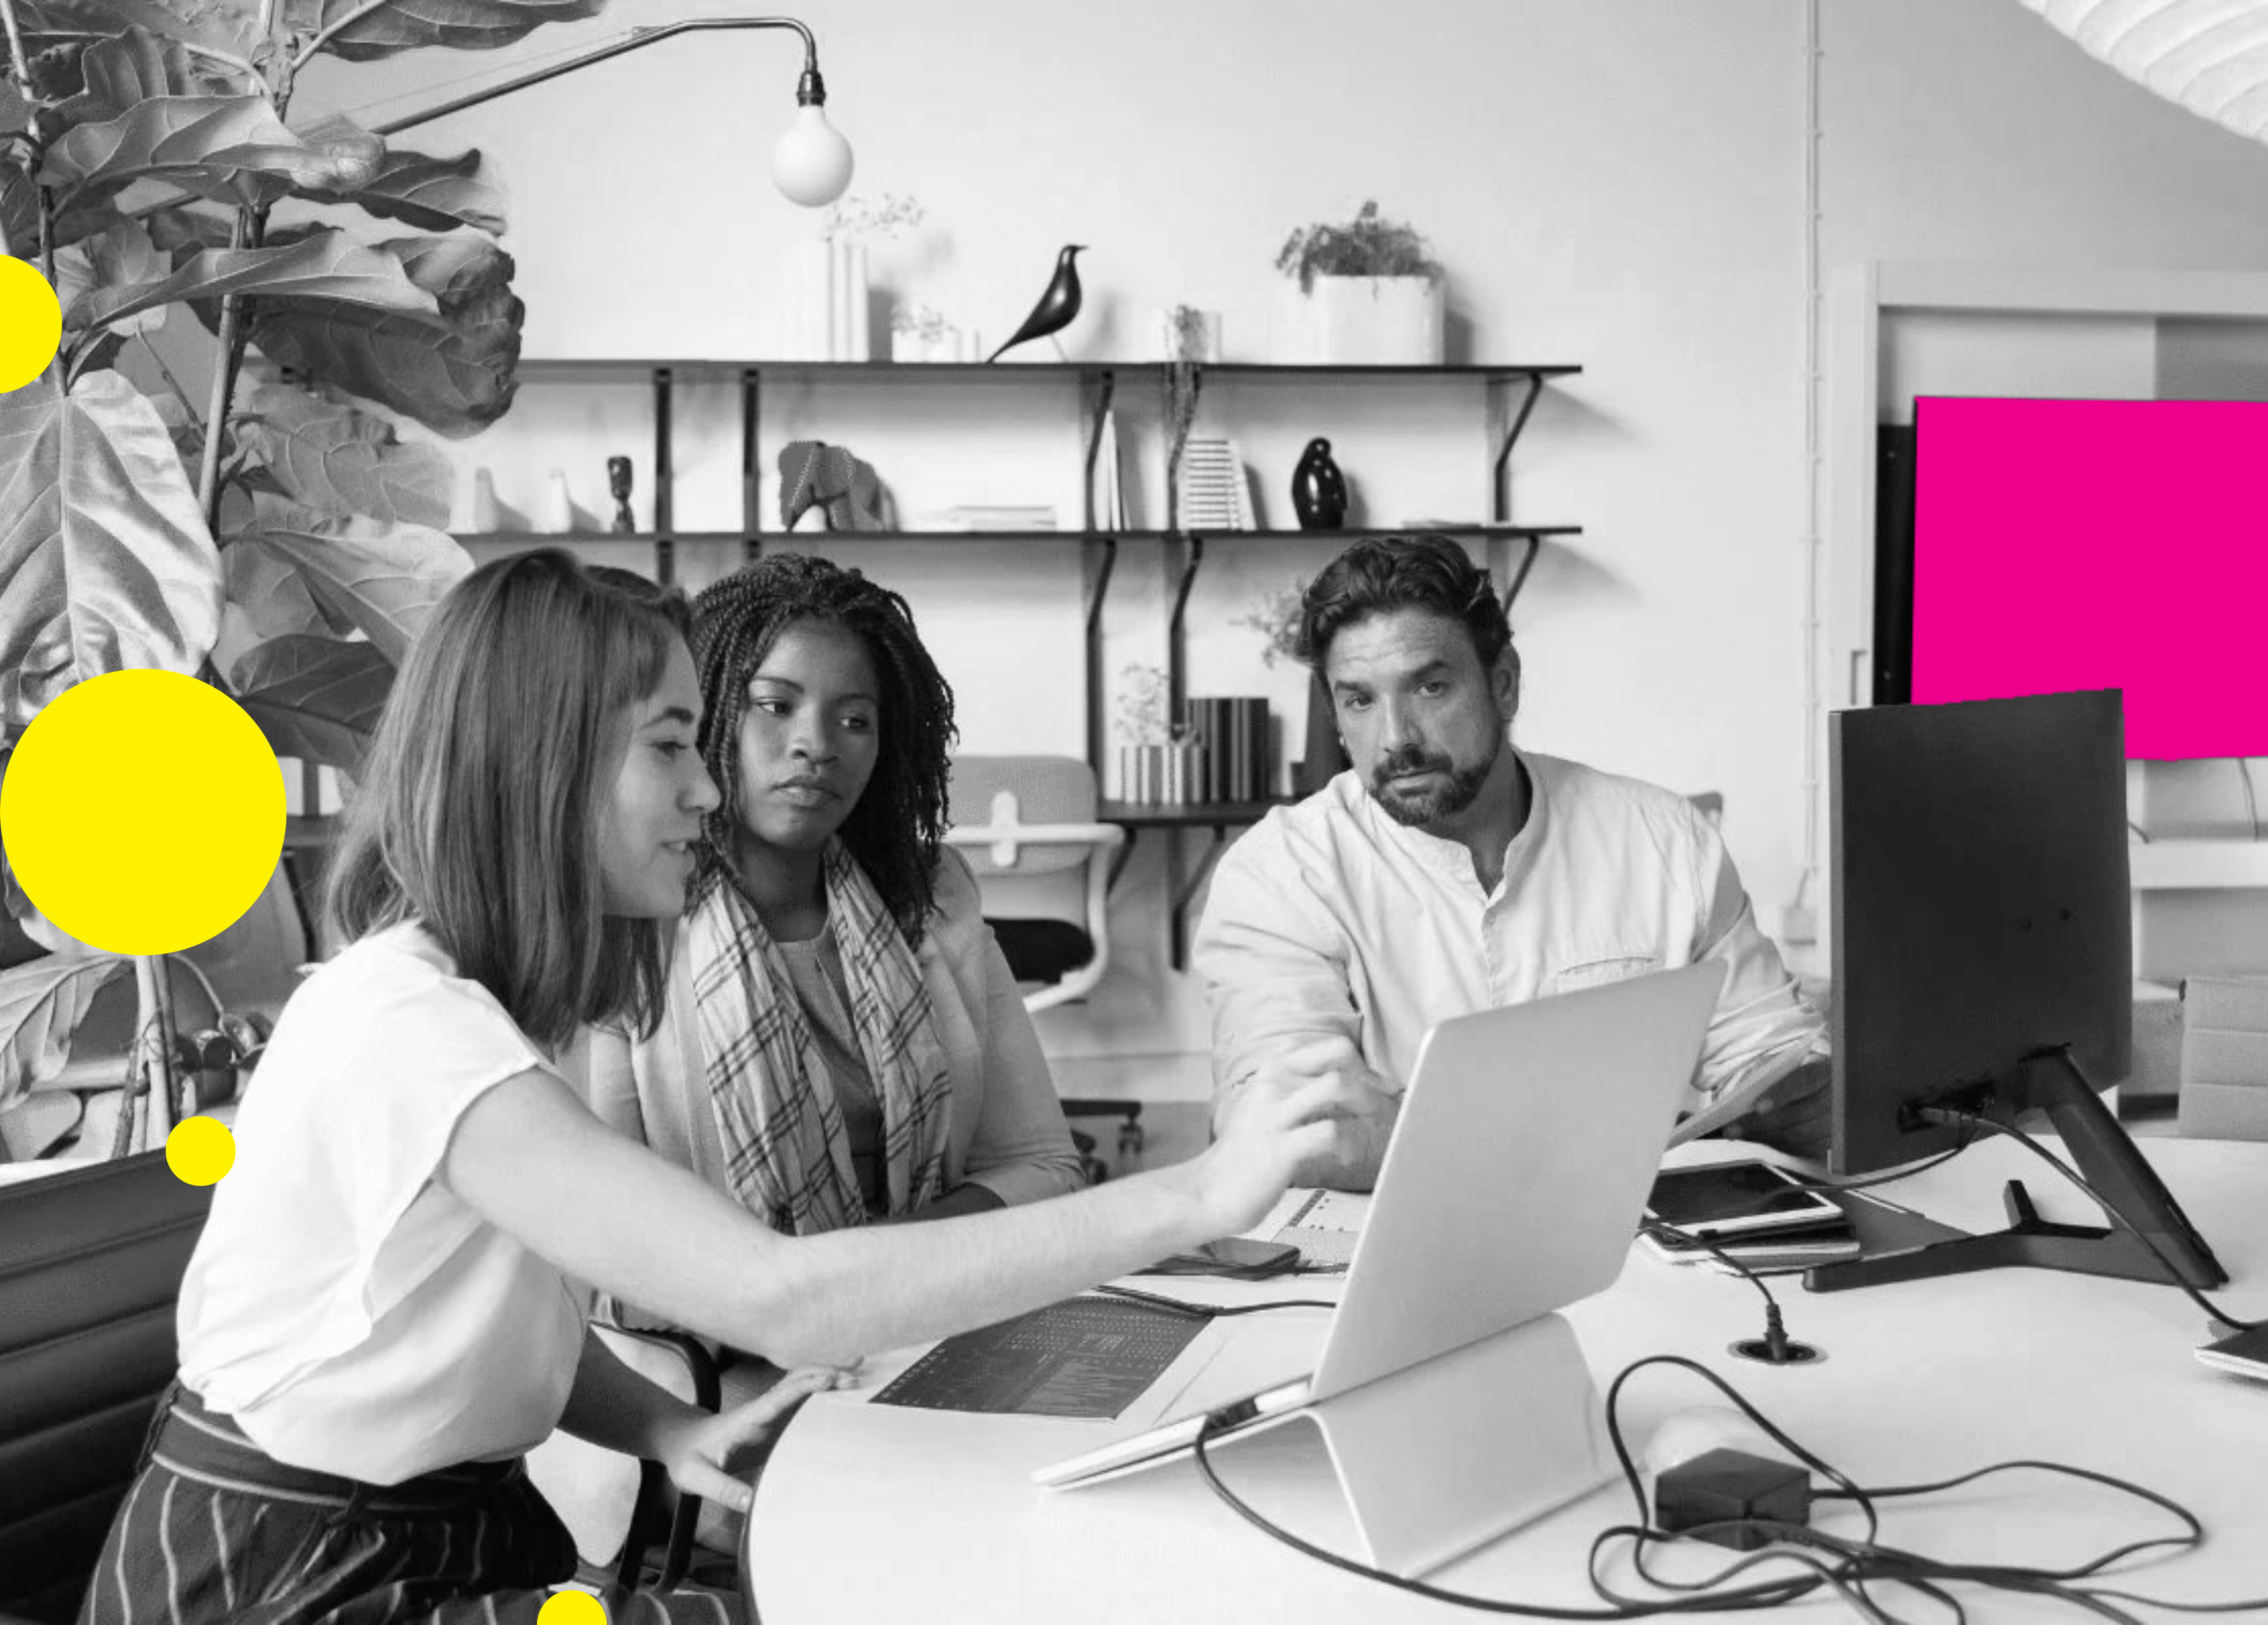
(2173, 1271)
(1855, 1565)
(1208, 1311)
(1775, 1337)
(2251, 806)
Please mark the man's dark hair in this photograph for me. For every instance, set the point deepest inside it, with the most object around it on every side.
(1381, 575)
(899, 821)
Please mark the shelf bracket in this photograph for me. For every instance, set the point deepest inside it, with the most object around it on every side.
(1176, 654)
(1527, 563)
(752, 524)
(1107, 385)
(1500, 493)
(1109, 545)
(665, 521)
(1185, 891)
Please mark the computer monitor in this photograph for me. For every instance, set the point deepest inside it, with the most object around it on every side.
(1982, 963)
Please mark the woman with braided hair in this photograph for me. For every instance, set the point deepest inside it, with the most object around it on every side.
(842, 1042)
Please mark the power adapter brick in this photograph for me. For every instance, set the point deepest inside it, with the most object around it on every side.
(1725, 1486)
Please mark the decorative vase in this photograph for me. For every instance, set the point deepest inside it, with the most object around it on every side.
(485, 514)
(1362, 321)
(1319, 495)
(559, 515)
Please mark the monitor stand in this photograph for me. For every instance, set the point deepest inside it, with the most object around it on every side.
(2105, 1153)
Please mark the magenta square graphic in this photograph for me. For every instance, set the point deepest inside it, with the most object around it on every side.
(2093, 544)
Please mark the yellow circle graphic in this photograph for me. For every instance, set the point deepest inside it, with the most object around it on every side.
(199, 1150)
(142, 812)
(31, 323)
(572, 1608)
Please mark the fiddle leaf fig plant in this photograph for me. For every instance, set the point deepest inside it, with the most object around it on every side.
(270, 531)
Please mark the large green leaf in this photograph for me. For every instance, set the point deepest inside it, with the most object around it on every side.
(41, 1004)
(324, 265)
(134, 67)
(316, 699)
(19, 210)
(123, 256)
(229, 25)
(454, 371)
(105, 561)
(266, 589)
(385, 580)
(431, 194)
(334, 459)
(464, 25)
(231, 148)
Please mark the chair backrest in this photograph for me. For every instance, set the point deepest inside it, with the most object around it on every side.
(997, 792)
(91, 1263)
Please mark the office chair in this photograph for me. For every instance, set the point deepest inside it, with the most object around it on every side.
(1042, 863)
(91, 1262)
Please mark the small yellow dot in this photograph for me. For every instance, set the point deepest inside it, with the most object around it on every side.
(572, 1608)
(31, 323)
(199, 1150)
(142, 812)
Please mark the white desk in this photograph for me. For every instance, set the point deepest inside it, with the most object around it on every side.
(881, 1511)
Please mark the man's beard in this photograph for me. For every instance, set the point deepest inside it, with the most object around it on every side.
(1412, 808)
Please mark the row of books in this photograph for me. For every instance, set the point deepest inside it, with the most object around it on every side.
(1220, 753)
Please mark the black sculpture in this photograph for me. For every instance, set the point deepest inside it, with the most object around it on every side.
(618, 484)
(1057, 305)
(1319, 494)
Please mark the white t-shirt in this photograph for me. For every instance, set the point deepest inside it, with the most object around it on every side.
(352, 1315)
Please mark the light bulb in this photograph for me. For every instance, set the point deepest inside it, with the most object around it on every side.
(811, 165)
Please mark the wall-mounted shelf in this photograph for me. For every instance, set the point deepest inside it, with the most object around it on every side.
(1510, 393)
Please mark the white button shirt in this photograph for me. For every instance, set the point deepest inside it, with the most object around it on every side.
(1329, 917)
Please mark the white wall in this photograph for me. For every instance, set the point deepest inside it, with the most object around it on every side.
(1612, 182)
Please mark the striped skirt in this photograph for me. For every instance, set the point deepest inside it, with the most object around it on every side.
(215, 1531)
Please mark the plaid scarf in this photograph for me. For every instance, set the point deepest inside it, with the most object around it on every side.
(786, 1154)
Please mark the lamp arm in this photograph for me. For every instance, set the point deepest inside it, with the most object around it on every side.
(811, 90)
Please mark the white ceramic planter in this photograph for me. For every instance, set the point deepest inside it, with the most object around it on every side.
(1361, 322)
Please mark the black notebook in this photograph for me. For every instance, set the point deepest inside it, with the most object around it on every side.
(1085, 1357)
(2246, 1353)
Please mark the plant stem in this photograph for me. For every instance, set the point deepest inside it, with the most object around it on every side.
(20, 65)
(223, 384)
(166, 373)
(251, 225)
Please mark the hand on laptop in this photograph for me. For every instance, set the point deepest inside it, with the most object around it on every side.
(1363, 1105)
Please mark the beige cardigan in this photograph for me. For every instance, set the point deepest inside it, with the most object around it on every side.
(1007, 1132)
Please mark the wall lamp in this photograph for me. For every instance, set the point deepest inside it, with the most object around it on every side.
(811, 165)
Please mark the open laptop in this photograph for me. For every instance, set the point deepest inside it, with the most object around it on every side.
(1528, 1139)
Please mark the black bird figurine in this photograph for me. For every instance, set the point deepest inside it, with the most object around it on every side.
(1057, 305)
(1319, 493)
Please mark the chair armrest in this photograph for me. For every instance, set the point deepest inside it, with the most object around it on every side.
(653, 1478)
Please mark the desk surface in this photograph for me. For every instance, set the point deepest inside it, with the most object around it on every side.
(893, 1511)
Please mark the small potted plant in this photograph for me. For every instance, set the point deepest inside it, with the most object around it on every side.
(1364, 292)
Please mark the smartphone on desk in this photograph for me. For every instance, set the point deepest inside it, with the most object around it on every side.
(2246, 1353)
(1718, 1199)
(1236, 1257)
(1790, 1249)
